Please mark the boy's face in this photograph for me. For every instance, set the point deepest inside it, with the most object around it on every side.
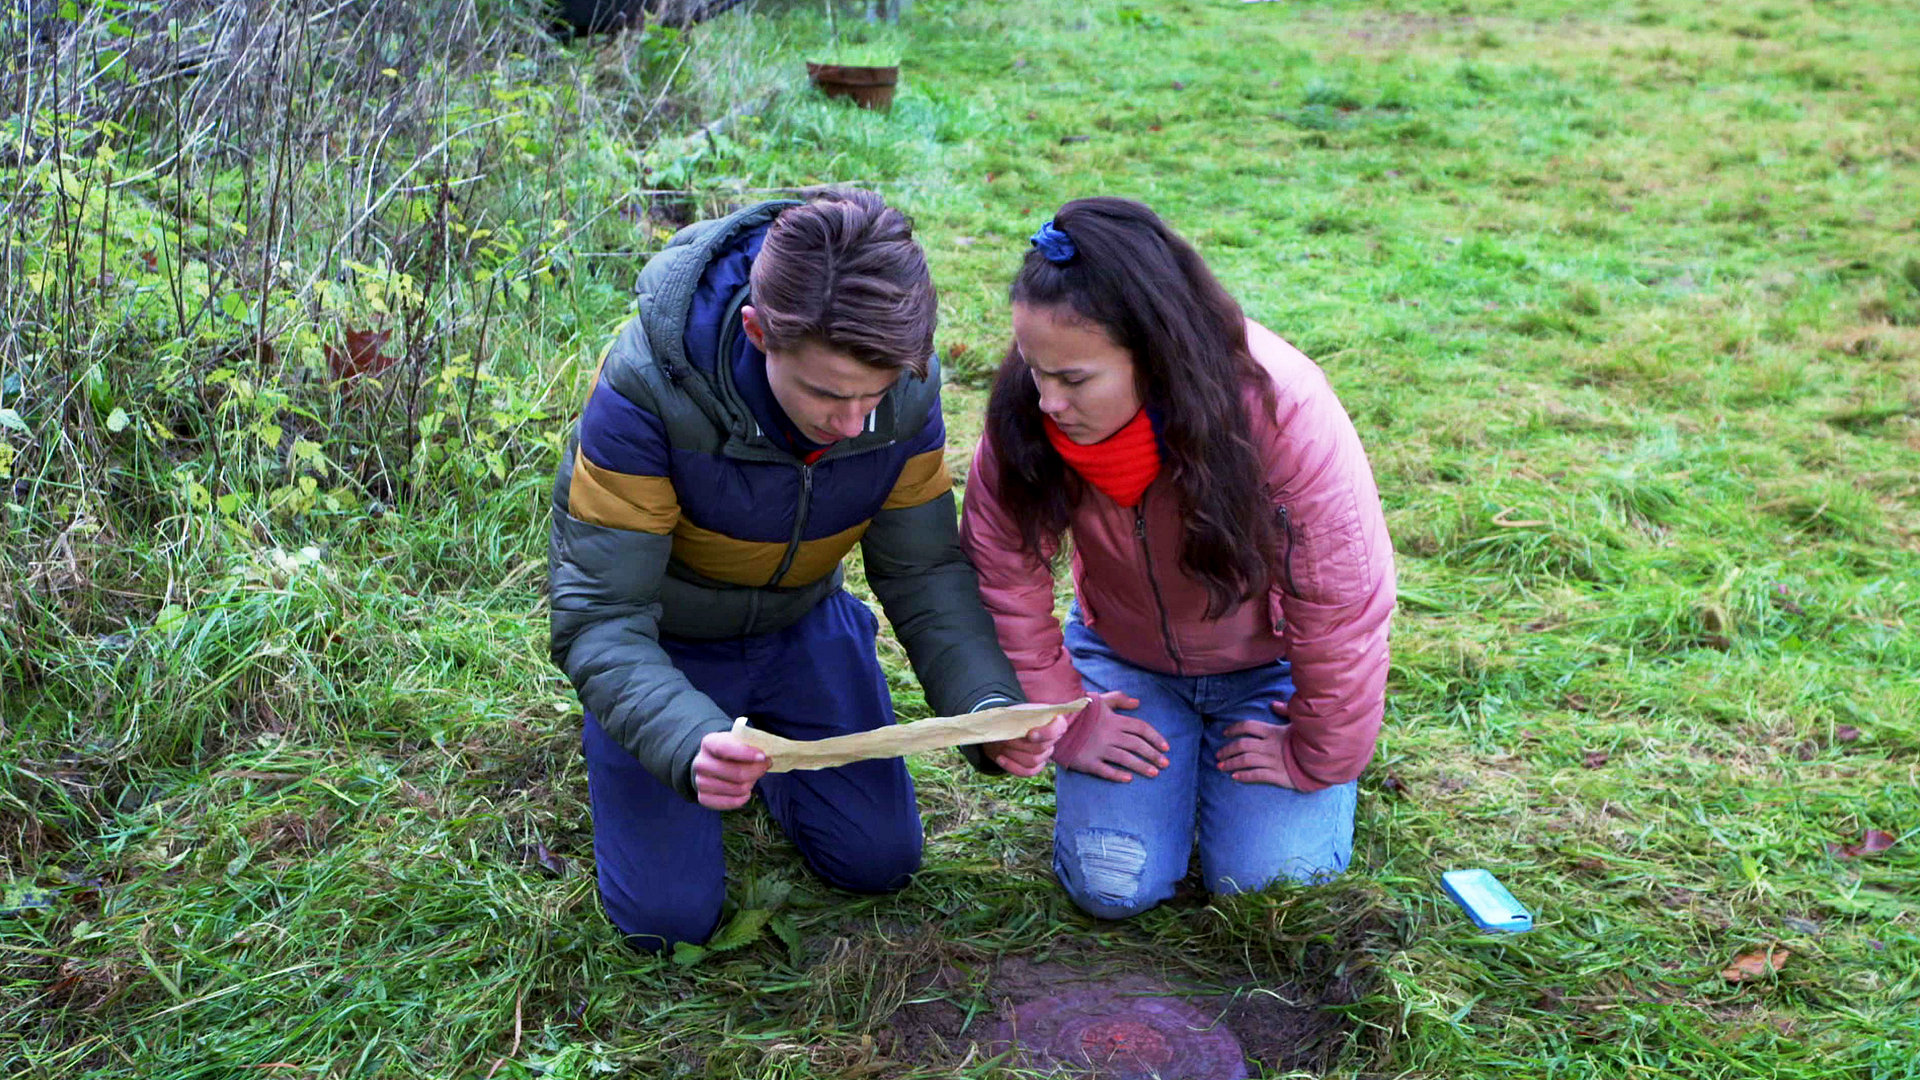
(827, 394)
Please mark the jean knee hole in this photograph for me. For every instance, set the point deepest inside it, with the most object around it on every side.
(1112, 864)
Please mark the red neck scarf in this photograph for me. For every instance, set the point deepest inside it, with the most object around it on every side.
(1122, 465)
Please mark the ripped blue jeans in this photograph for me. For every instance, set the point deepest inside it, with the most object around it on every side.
(1119, 849)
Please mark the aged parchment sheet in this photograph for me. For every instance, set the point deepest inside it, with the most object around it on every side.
(940, 732)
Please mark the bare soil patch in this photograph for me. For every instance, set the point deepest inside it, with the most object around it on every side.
(1090, 1015)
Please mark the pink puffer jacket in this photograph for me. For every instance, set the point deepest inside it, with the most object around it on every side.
(1328, 614)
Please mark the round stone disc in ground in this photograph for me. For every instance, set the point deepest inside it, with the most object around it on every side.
(1094, 1033)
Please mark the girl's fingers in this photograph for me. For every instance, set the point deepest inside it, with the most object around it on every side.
(1129, 758)
(1243, 760)
(1138, 745)
(1248, 744)
(1145, 732)
(1261, 776)
(1246, 754)
(1253, 729)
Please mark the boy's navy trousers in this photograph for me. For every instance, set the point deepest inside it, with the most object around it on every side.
(662, 874)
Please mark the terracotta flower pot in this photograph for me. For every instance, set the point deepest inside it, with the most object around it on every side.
(869, 87)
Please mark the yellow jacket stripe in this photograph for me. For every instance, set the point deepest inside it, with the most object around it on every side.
(748, 562)
(619, 500)
(922, 478)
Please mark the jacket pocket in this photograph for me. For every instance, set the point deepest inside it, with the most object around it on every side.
(1325, 557)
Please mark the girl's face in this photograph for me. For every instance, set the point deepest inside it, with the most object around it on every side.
(1085, 377)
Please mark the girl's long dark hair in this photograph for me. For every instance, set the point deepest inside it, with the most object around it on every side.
(1150, 291)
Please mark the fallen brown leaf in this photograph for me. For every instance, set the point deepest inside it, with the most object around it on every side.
(1595, 759)
(1756, 965)
(538, 855)
(362, 355)
(1846, 733)
(1871, 841)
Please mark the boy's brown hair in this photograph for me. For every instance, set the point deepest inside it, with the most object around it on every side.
(844, 270)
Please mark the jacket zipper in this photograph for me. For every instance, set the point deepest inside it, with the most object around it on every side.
(799, 523)
(1159, 601)
(1286, 561)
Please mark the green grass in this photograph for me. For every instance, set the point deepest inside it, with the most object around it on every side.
(1623, 297)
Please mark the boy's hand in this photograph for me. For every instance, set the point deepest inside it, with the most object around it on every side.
(725, 770)
(1028, 754)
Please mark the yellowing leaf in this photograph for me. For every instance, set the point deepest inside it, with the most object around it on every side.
(1749, 967)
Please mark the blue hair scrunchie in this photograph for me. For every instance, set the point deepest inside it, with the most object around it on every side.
(1055, 245)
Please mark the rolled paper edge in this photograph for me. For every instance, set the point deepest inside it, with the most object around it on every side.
(790, 755)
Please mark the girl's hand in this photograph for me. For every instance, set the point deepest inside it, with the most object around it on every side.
(1253, 757)
(1104, 743)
